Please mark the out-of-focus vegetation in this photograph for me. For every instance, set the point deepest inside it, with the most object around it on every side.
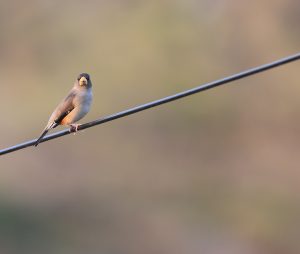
(217, 172)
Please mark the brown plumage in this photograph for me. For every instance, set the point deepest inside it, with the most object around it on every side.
(73, 107)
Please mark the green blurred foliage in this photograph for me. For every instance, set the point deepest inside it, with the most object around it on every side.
(213, 173)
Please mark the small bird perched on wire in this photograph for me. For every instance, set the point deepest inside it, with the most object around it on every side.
(73, 107)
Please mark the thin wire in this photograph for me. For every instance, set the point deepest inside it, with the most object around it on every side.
(156, 103)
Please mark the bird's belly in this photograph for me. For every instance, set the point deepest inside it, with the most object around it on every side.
(83, 110)
(78, 112)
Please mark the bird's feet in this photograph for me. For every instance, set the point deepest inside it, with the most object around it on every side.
(74, 128)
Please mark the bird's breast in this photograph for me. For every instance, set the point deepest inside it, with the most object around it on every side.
(83, 101)
(83, 98)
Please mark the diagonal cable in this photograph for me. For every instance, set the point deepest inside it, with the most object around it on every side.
(161, 101)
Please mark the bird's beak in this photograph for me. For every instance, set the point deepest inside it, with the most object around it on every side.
(83, 81)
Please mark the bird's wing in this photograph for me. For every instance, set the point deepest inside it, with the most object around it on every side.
(62, 110)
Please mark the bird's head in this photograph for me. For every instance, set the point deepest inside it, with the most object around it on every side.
(84, 80)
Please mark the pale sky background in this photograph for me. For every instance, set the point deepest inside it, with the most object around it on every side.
(214, 173)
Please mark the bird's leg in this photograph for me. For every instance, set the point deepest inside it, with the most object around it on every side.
(74, 128)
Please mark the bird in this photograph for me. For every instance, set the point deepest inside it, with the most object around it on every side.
(73, 107)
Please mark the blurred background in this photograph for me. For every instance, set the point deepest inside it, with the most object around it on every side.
(217, 172)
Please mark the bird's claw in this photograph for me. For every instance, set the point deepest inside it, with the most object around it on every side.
(74, 128)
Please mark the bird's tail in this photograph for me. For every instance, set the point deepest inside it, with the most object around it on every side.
(42, 135)
(45, 131)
